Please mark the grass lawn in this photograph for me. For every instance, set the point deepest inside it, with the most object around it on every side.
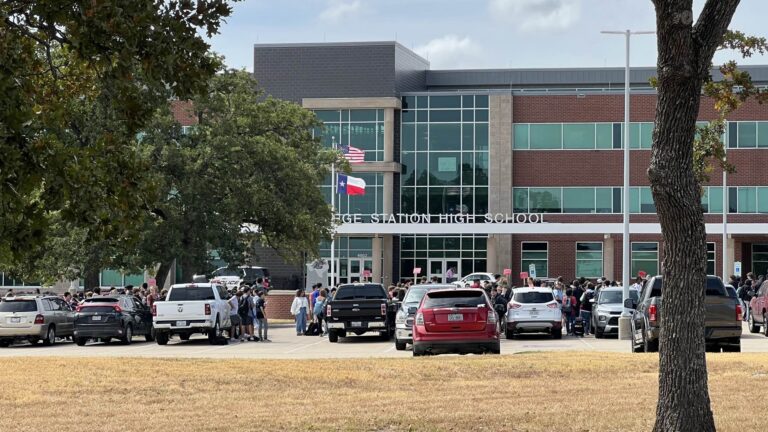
(524, 392)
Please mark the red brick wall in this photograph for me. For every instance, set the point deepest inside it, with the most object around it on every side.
(183, 113)
(279, 304)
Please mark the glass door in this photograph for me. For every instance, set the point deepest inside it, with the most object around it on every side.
(355, 269)
(452, 270)
(436, 269)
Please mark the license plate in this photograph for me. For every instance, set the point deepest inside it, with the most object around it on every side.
(455, 317)
(534, 314)
(95, 318)
(181, 323)
(15, 320)
(356, 324)
(375, 324)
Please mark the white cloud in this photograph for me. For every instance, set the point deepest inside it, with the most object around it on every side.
(529, 15)
(336, 10)
(450, 51)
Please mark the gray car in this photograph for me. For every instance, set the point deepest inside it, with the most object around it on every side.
(407, 311)
(607, 310)
(35, 318)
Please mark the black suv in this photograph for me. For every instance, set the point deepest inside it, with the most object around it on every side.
(119, 317)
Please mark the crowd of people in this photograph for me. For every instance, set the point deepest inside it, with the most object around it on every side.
(248, 315)
(746, 288)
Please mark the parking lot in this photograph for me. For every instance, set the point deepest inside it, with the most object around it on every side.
(286, 345)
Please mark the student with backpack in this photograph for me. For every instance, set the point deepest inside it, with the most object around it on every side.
(569, 311)
(319, 312)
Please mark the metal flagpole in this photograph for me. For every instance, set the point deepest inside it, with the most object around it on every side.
(725, 223)
(625, 331)
(333, 208)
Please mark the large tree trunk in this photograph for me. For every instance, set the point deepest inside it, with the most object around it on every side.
(685, 55)
(162, 274)
(91, 279)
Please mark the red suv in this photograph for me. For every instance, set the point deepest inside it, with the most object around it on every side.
(455, 320)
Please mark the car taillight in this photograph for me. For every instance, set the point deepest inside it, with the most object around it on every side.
(419, 318)
(328, 311)
(515, 306)
(154, 310)
(553, 305)
(39, 319)
(78, 308)
(652, 313)
(207, 309)
(738, 312)
(117, 308)
(491, 316)
(383, 309)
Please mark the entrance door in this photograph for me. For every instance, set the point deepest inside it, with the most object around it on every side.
(439, 268)
(355, 270)
(454, 266)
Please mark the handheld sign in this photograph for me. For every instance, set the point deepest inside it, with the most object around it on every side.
(523, 275)
(416, 270)
(532, 270)
(152, 282)
(737, 268)
(366, 273)
(507, 272)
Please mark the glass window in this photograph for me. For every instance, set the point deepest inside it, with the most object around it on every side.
(408, 160)
(579, 135)
(422, 176)
(468, 101)
(409, 102)
(367, 115)
(646, 135)
(521, 136)
(603, 200)
(481, 200)
(733, 140)
(747, 199)
(759, 258)
(578, 200)
(408, 137)
(444, 168)
(111, 278)
(762, 134)
(520, 200)
(546, 136)
(589, 259)
(481, 101)
(634, 135)
(444, 137)
(481, 168)
(444, 102)
(715, 199)
(468, 169)
(545, 200)
(604, 135)
(762, 200)
(747, 134)
(634, 200)
(534, 253)
(467, 115)
(444, 116)
(422, 102)
(710, 258)
(645, 257)
(481, 137)
(408, 116)
(481, 115)
(646, 201)
(444, 200)
(328, 115)
(467, 137)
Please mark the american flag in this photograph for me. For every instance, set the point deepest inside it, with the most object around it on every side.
(353, 154)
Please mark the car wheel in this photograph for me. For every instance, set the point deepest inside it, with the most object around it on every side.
(399, 345)
(161, 338)
(5, 343)
(384, 335)
(417, 352)
(753, 328)
(150, 337)
(80, 341)
(214, 334)
(34, 340)
(127, 335)
(650, 346)
(333, 336)
(184, 336)
(557, 334)
(765, 325)
(50, 337)
(509, 334)
(736, 347)
(496, 349)
(598, 333)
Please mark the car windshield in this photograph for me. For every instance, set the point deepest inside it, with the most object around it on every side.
(615, 296)
(533, 297)
(351, 292)
(255, 273)
(97, 309)
(18, 306)
(191, 293)
(414, 296)
(452, 299)
(226, 272)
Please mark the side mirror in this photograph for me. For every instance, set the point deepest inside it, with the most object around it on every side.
(412, 310)
(630, 304)
(591, 300)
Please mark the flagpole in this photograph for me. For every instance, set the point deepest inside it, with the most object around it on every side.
(333, 208)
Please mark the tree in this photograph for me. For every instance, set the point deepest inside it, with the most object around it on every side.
(247, 172)
(117, 60)
(679, 162)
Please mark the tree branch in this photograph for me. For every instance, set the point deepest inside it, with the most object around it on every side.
(710, 27)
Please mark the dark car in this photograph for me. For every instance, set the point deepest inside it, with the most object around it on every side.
(360, 308)
(106, 318)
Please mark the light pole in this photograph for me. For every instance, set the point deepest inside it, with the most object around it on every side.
(725, 220)
(624, 321)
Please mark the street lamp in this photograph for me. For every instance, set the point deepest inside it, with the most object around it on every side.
(624, 321)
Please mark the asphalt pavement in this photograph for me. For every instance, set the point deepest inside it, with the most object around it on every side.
(286, 345)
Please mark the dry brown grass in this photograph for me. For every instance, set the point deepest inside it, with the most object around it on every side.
(526, 392)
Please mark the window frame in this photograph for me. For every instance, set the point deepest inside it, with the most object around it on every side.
(658, 252)
(576, 258)
(522, 243)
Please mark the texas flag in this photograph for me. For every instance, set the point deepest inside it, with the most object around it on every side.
(351, 185)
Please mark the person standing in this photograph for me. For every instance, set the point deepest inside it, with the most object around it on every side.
(246, 305)
(152, 297)
(586, 308)
(569, 311)
(449, 275)
(319, 312)
(260, 315)
(315, 293)
(300, 309)
(234, 318)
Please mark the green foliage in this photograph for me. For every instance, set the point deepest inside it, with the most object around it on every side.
(78, 82)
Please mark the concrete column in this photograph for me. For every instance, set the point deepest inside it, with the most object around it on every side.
(387, 241)
(389, 134)
(730, 258)
(609, 245)
(376, 253)
(492, 260)
(389, 193)
(500, 176)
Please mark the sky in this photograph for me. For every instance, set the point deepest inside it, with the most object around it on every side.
(469, 34)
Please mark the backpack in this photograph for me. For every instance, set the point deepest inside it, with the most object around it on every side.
(244, 306)
(567, 306)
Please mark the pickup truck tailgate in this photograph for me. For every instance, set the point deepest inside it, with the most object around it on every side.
(357, 309)
(180, 311)
(721, 312)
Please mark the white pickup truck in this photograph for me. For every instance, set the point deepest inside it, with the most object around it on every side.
(192, 308)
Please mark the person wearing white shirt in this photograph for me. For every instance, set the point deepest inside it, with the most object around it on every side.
(300, 309)
(234, 303)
